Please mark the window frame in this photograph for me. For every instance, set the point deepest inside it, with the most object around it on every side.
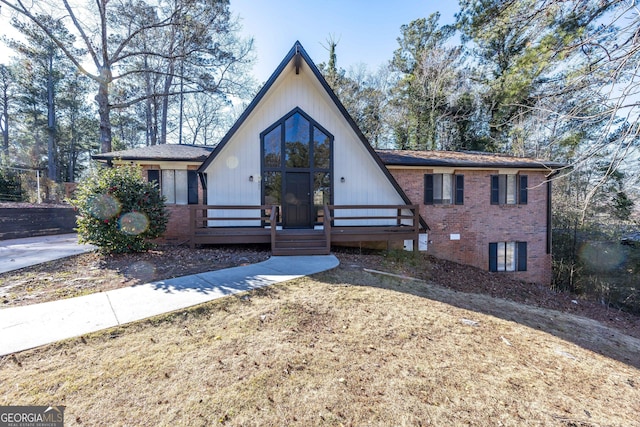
(191, 193)
(456, 188)
(313, 168)
(519, 256)
(500, 194)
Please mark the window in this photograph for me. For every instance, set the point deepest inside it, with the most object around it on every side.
(509, 189)
(153, 175)
(321, 192)
(443, 189)
(321, 149)
(272, 148)
(296, 144)
(508, 256)
(180, 187)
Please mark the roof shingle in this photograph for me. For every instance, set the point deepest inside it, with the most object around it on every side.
(175, 152)
(461, 159)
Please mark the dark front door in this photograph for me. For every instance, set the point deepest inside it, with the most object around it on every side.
(297, 200)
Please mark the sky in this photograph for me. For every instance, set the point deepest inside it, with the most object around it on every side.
(366, 31)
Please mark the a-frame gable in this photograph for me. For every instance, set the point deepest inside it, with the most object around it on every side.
(298, 52)
(298, 58)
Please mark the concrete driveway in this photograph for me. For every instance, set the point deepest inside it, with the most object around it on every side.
(19, 253)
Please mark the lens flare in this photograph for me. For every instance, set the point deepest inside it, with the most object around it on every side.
(104, 206)
(134, 223)
(601, 256)
(290, 198)
(141, 270)
(232, 162)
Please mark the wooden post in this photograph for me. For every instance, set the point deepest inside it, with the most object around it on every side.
(327, 227)
(273, 221)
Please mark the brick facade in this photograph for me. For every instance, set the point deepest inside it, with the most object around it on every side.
(478, 222)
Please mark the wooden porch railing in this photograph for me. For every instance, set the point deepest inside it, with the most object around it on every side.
(202, 220)
(399, 216)
(360, 232)
(402, 224)
(201, 230)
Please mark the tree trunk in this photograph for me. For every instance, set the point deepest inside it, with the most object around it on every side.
(5, 132)
(51, 124)
(180, 119)
(165, 103)
(71, 166)
(104, 109)
(150, 133)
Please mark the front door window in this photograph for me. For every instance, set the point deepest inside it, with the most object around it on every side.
(296, 169)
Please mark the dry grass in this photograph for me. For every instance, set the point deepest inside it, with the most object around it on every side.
(340, 348)
(95, 272)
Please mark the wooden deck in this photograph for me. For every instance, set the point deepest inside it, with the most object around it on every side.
(262, 227)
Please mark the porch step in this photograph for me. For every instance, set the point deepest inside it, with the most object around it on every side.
(294, 252)
(300, 242)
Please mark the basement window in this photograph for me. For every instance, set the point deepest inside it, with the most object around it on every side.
(508, 256)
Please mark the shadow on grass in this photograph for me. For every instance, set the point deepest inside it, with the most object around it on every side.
(584, 332)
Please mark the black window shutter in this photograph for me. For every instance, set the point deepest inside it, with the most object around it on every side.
(428, 189)
(153, 175)
(493, 257)
(203, 182)
(522, 256)
(192, 184)
(495, 189)
(524, 182)
(459, 195)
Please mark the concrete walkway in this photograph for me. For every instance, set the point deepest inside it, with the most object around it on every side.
(19, 253)
(22, 328)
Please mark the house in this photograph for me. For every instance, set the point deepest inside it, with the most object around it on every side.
(295, 171)
(490, 211)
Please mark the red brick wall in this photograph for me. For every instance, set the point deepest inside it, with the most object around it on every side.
(178, 225)
(478, 222)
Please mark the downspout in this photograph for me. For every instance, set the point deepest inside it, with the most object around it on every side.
(549, 211)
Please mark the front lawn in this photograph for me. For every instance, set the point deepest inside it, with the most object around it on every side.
(345, 347)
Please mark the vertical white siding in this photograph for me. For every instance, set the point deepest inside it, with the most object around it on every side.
(365, 182)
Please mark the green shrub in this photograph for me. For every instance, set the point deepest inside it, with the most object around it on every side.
(119, 211)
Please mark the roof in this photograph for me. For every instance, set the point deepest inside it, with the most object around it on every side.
(171, 152)
(470, 159)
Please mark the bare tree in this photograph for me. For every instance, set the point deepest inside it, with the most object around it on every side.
(112, 33)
